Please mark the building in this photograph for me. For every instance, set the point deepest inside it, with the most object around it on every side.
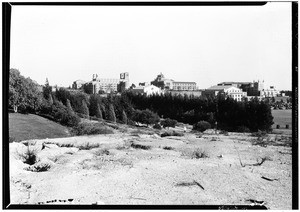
(170, 84)
(227, 90)
(270, 92)
(102, 85)
(251, 88)
(148, 90)
(78, 84)
(195, 93)
(184, 86)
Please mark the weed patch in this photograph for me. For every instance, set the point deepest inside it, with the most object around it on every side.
(139, 146)
(168, 148)
(88, 146)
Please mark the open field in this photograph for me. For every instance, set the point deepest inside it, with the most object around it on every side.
(137, 166)
(282, 117)
(24, 127)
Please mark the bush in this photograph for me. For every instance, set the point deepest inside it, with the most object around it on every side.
(29, 156)
(88, 146)
(165, 134)
(196, 154)
(157, 126)
(91, 129)
(259, 133)
(39, 167)
(201, 126)
(168, 123)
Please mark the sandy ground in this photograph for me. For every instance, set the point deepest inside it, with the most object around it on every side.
(117, 171)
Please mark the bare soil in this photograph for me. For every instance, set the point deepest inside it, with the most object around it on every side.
(137, 166)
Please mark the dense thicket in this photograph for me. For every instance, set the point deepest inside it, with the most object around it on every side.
(227, 113)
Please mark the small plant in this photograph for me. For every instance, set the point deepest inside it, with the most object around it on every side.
(199, 153)
(39, 167)
(101, 152)
(29, 156)
(139, 146)
(202, 126)
(259, 134)
(168, 148)
(65, 145)
(88, 146)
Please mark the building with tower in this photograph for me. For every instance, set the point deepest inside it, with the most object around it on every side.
(104, 85)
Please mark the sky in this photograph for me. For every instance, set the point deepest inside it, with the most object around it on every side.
(203, 44)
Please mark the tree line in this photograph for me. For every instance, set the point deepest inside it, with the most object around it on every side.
(66, 106)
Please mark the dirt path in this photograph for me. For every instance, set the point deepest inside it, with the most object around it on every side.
(166, 173)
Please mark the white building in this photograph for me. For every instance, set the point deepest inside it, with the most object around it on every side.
(148, 90)
(229, 91)
(269, 92)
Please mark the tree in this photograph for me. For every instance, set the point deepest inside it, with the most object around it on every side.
(69, 106)
(23, 92)
(98, 112)
(145, 117)
(124, 117)
(84, 109)
(47, 90)
(111, 113)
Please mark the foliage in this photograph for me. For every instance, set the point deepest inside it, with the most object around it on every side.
(111, 113)
(29, 156)
(228, 113)
(157, 126)
(124, 117)
(201, 126)
(145, 117)
(23, 93)
(91, 129)
(168, 123)
(84, 109)
(165, 134)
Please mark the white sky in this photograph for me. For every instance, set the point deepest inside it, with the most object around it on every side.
(204, 44)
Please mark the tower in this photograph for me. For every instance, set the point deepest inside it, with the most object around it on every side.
(124, 77)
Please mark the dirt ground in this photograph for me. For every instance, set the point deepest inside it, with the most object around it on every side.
(135, 166)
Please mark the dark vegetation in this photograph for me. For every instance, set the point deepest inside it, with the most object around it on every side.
(67, 106)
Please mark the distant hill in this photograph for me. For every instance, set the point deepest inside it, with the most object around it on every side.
(25, 127)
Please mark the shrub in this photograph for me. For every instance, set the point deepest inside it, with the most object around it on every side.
(39, 167)
(168, 123)
(157, 126)
(259, 133)
(91, 129)
(101, 152)
(168, 148)
(139, 146)
(199, 153)
(145, 117)
(88, 146)
(165, 134)
(201, 126)
(29, 156)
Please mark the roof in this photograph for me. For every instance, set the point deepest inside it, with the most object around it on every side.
(185, 82)
(234, 83)
(220, 87)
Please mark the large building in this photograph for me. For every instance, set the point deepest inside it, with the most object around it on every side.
(170, 84)
(251, 88)
(227, 90)
(148, 90)
(102, 85)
